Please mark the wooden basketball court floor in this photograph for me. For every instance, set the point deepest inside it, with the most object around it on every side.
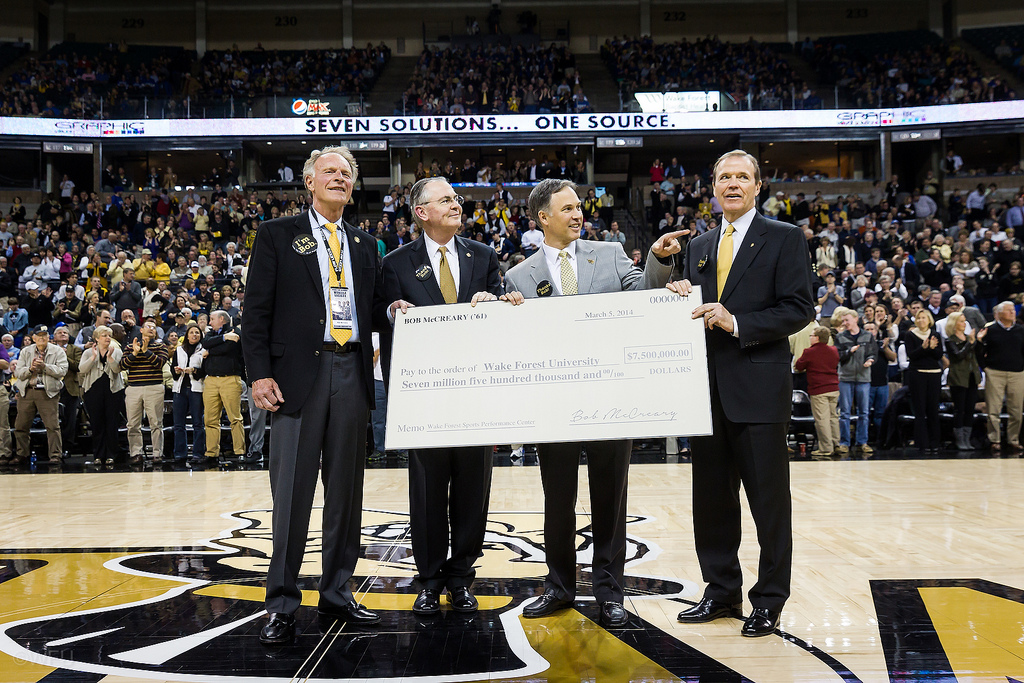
(905, 570)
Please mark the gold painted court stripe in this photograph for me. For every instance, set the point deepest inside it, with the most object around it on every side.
(980, 633)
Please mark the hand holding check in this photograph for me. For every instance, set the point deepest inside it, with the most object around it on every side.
(714, 313)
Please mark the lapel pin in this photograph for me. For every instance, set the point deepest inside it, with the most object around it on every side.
(356, 238)
(590, 260)
(751, 244)
(702, 262)
(469, 255)
(423, 273)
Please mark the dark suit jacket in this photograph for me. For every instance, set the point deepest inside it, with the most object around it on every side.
(478, 272)
(283, 327)
(769, 292)
(911, 278)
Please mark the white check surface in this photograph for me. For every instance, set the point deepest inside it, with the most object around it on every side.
(575, 368)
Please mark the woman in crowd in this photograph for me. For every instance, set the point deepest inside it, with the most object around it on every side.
(103, 394)
(966, 265)
(964, 376)
(924, 377)
(186, 368)
(986, 293)
(859, 291)
(826, 254)
(66, 261)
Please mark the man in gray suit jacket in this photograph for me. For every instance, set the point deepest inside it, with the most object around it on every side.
(567, 265)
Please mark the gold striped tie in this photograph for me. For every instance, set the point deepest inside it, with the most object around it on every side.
(340, 335)
(447, 281)
(724, 258)
(569, 285)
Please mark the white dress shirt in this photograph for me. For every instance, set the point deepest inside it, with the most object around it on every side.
(434, 252)
(322, 258)
(740, 227)
(739, 232)
(555, 264)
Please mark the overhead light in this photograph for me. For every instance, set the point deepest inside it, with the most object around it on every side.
(168, 154)
(269, 142)
(711, 140)
(303, 142)
(451, 151)
(767, 161)
(770, 144)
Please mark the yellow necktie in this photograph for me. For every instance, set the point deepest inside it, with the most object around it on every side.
(340, 335)
(447, 281)
(724, 258)
(568, 276)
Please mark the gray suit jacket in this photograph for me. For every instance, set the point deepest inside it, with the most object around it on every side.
(601, 267)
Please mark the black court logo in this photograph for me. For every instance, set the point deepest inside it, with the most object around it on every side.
(194, 614)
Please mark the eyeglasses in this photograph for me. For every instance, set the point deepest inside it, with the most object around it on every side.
(446, 202)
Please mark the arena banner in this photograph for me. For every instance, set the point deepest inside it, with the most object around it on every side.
(484, 125)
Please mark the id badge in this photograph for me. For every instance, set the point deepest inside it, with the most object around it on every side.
(341, 308)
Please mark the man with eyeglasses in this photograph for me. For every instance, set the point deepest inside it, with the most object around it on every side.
(448, 487)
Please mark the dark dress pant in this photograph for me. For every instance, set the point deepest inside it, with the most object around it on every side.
(449, 489)
(607, 469)
(327, 436)
(756, 456)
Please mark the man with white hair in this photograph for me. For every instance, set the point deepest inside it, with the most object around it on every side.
(222, 388)
(309, 316)
(204, 267)
(1002, 353)
(231, 257)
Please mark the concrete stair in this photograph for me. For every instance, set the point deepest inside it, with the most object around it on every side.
(598, 84)
(390, 86)
(990, 67)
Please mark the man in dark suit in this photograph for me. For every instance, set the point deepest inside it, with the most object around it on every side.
(906, 271)
(567, 265)
(755, 278)
(442, 268)
(309, 300)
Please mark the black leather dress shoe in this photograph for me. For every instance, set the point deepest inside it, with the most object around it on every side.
(352, 613)
(708, 610)
(613, 615)
(279, 630)
(462, 600)
(761, 622)
(549, 603)
(427, 602)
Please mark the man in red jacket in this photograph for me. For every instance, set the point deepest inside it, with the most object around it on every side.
(821, 363)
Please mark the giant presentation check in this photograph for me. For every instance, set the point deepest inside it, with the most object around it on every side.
(573, 368)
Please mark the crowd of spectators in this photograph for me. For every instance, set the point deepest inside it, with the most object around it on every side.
(1004, 44)
(920, 295)
(253, 73)
(499, 220)
(495, 79)
(82, 80)
(904, 70)
(736, 69)
(140, 270)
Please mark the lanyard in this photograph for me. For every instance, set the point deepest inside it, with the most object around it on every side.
(339, 267)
